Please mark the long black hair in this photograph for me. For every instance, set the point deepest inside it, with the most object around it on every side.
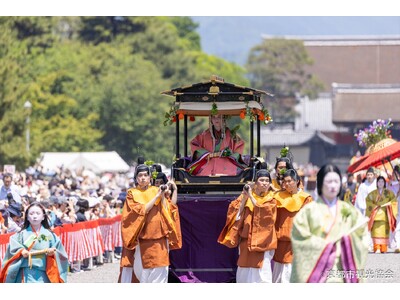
(288, 163)
(286, 160)
(45, 221)
(322, 173)
(381, 178)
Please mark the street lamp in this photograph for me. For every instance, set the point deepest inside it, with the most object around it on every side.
(28, 107)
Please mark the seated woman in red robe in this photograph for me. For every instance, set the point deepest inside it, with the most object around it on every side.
(216, 151)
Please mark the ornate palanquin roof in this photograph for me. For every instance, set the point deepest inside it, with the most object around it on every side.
(215, 90)
(198, 98)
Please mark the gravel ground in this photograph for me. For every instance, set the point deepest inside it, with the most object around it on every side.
(106, 273)
(380, 268)
(383, 268)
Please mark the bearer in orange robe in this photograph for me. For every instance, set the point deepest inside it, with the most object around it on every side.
(150, 228)
(250, 226)
(289, 202)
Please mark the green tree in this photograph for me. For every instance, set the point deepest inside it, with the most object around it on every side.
(12, 115)
(280, 67)
(187, 31)
(95, 83)
(131, 108)
(120, 89)
(36, 32)
(55, 126)
(207, 65)
(98, 30)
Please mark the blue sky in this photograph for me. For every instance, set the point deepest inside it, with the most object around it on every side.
(232, 37)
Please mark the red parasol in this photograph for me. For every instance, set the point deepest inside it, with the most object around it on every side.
(379, 157)
(355, 165)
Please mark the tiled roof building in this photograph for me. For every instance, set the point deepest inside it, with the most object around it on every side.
(361, 75)
(353, 59)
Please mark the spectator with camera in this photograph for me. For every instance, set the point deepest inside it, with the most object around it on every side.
(48, 206)
(94, 213)
(64, 210)
(9, 191)
(14, 217)
(105, 207)
(82, 208)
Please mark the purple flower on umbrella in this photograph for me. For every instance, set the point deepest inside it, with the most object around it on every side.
(377, 131)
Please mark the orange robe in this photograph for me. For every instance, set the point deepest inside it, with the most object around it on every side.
(254, 232)
(156, 232)
(275, 185)
(288, 206)
(1, 219)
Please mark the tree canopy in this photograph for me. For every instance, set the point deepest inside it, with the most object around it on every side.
(95, 83)
(280, 67)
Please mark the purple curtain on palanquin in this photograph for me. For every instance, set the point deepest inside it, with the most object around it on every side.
(202, 219)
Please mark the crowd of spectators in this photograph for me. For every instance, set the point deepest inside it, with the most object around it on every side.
(68, 196)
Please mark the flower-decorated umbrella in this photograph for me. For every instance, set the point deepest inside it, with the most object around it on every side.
(374, 133)
(381, 148)
(380, 157)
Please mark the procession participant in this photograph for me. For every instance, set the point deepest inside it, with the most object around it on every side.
(281, 166)
(126, 274)
(216, 151)
(289, 202)
(160, 179)
(150, 228)
(329, 236)
(395, 188)
(250, 226)
(3, 222)
(35, 254)
(381, 209)
(364, 189)
(349, 189)
(171, 192)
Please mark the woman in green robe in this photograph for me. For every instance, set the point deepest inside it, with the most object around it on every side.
(381, 210)
(329, 236)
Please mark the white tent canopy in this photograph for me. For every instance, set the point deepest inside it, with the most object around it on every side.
(98, 162)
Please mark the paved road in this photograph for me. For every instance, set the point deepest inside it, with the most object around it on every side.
(382, 268)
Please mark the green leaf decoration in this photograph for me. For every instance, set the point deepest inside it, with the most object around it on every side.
(282, 171)
(149, 163)
(169, 116)
(284, 151)
(214, 109)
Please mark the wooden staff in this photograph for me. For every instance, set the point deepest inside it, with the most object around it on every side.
(33, 253)
(354, 228)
